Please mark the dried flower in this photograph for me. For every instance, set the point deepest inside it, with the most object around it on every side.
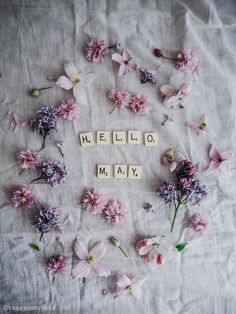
(140, 105)
(174, 98)
(76, 80)
(200, 126)
(148, 249)
(115, 212)
(28, 159)
(217, 159)
(57, 265)
(130, 286)
(160, 260)
(126, 65)
(116, 242)
(167, 192)
(197, 223)
(93, 201)
(158, 53)
(121, 98)
(187, 60)
(68, 110)
(171, 159)
(148, 76)
(90, 260)
(23, 197)
(96, 50)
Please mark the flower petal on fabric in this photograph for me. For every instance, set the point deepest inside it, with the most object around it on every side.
(123, 281)
(136, 284)
(80, 249)
(76, 92)
(171, 101)
(179, 157)
(82, 269)
(214, 165)
(64, 82)
(122, 69)
(192, 125)
(226, 155)
(126, 55)
(167, 90)
(70, 69)
(172, 166)
(214, 154)
(132, 66)
(117, 57)
(87, 78)
(101, 270)
(98, 250)
(144, 250)
(121, 292)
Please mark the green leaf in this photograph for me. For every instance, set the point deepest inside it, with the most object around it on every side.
(180, 247)
(34, 246)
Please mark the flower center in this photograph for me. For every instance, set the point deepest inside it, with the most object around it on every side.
(202, 126)
(129, 289)
(77, 80)
(90, 259)
(171, 157)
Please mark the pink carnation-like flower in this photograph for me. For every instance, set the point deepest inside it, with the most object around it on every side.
(115, 213)
(93, 201)
(57, 265)
(68, 110)
(96, 50)
(28, 159)
(148, 249)
(140, 104)
(187, 60)
(23, 197)
(197, 223)
(121, 98)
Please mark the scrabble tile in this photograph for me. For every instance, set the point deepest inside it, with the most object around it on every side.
(86, 139)
(103, 137)
(120, 171)
(134, 172)
(104, 171)
(119, 137)
(150, 139)
(134, 137)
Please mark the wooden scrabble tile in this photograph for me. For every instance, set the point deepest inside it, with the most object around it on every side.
(86, 139)
(103, 137)
(134, 172)
(119, 137)
(134, 137)
(120, 171)
(150, 139)
(104, 171)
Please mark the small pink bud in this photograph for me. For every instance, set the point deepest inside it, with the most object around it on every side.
(158, 53)
(160, 259)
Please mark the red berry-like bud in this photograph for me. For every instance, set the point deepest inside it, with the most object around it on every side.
(158, 53)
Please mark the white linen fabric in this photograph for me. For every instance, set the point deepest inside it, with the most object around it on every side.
(37, 37)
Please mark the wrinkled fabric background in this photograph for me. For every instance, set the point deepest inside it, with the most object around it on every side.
(36, 38)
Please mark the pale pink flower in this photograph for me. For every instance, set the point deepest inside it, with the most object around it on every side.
(126, 65)
(28, 159)
(96, 50)
(171, 158)
(131, 286)
(148, 249)
(140, 105)
(93, 201)
(173, 98)
(187, 60)
(57, 265)
(121, 98)
(23, 197)
(76, 80)
(200, 126)
(197, 223)
(90, 260)
(217, 159)
(68, 110)
(115, 213)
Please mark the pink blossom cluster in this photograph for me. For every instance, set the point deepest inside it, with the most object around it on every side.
(68, 110)
(23, 197)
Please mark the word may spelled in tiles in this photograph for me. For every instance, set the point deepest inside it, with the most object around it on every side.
(118, 138)
(119, 171)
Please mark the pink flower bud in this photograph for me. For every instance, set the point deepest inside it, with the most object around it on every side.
(158, 53)
(160, 259)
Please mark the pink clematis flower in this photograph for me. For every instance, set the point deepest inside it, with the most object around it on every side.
(131, 286)
(76, 80)
(90, 260)
(171, 158)
(68, 110)
(173, 98)
(187, 60)
(148, 249)
(200, 126)
(93, 201)
(23, 197)
(217, 159)
(115, 213)
(96, 50)
(28, 159)
(126, 65)
(197, 223)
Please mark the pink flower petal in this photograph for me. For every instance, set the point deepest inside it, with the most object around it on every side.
(122, 69)
(214, 154)
(192, 125)
(171, 101)
(172, 166)
(214, 165)
(99, 250)
(123, 281)
(179, 157)
(101, 270)
(64, 82)
(144, 250)
(76, 92)
(167, 90)
(126, 55)
(80, 250)
(70, 69)
(81, 270)
(227, 155)
(117, 57)
(87, 78)
(137, 283)
(132, 66)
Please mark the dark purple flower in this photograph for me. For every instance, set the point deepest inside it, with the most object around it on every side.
(167, 192)
(47, 219)
(148, 76)
(53, 172)
(196, 192)
(187, 170)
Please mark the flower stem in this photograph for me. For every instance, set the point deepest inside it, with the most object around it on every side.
(45, 88)
(36, 180)
(113, 109)
(44, 140)
(41, 236)
(53, 279)
(169, 58)
(123, 251)
(21, 171)
(180, 202)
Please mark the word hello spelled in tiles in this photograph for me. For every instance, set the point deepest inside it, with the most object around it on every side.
(118, 138)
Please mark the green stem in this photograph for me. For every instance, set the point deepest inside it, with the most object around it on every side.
(41, 236)
(44, 140)
(113, 109)
(180, 202)
(36, 179)
(21, 171)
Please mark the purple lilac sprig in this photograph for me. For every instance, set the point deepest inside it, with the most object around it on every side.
(46, 121)
(187, 189)
(52, 171)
